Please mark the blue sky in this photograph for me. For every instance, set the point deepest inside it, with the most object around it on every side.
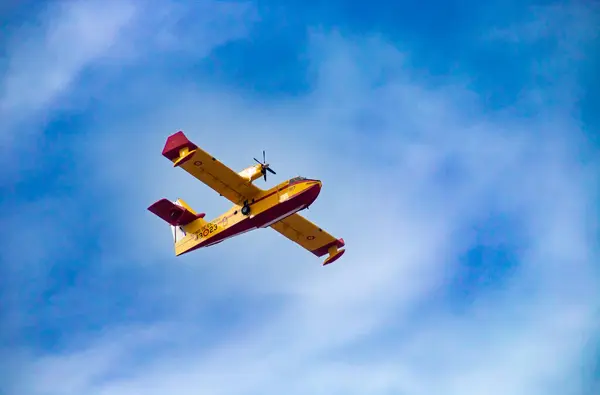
(457, 143)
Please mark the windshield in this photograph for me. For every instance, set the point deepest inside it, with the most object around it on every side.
(295, 179)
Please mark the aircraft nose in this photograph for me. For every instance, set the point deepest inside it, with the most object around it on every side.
(313, 191)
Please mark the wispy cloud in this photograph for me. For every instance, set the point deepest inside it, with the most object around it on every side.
(47, 59)
(44, 61)
(413, 176)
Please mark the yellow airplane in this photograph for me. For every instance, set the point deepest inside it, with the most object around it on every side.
(253, 207)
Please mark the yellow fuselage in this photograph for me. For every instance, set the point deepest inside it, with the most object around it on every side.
(266, 208)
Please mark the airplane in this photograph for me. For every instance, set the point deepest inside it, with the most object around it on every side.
(253, 207)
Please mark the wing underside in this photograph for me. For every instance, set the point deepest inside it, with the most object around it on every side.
(206, 168)
(309, 236)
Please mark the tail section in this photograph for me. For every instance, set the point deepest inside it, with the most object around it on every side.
(179, 215)
(177, 232)
(186, 206)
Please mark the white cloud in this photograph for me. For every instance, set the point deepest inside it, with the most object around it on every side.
(370, 323)
(43, 66)
(44, 61)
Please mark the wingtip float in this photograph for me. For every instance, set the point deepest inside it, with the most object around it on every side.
(253, 207)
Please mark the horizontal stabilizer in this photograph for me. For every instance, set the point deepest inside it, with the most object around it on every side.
(172, 213)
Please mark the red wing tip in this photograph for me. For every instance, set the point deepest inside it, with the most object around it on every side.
(339, 243)
(174, 143)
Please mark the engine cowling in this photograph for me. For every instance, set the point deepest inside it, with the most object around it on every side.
(251, 173)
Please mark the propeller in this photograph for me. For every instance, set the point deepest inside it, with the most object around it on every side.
(264, 166)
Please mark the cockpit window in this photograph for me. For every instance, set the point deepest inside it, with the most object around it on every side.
(295, 179)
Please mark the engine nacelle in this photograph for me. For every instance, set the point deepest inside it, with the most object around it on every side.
(252, 173)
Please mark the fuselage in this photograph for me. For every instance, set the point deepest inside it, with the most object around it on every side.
(267, 208)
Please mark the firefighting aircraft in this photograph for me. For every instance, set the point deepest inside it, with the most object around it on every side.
(253, 207)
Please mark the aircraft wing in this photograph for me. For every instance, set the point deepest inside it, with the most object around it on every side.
(308, 235)
(226, 182)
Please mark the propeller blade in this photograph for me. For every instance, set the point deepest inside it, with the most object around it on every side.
(265, 166)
